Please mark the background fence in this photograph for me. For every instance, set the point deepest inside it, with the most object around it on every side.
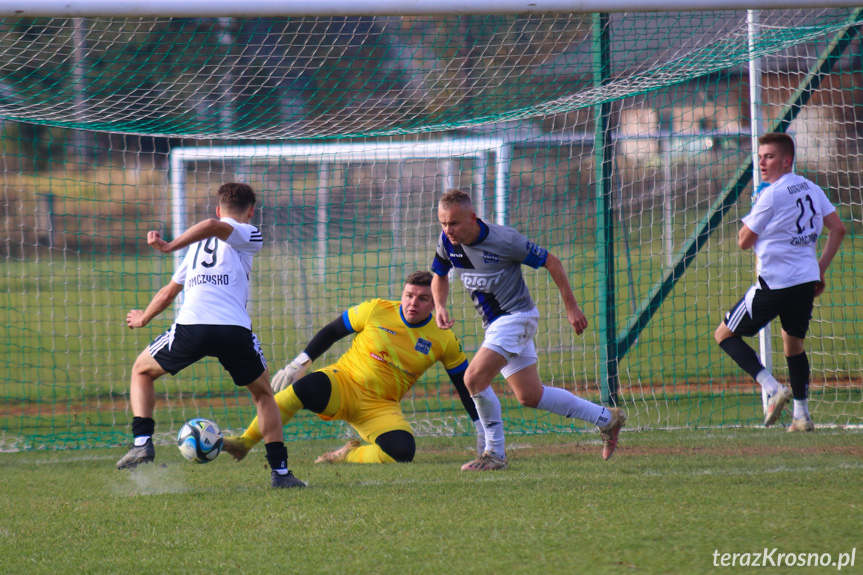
(624, 169)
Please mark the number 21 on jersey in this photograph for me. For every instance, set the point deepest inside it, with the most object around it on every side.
(801, 203)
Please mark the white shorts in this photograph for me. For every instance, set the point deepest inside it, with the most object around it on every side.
(512, 337)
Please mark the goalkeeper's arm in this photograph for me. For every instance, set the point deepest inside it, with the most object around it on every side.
(320, 343)
(457, 380)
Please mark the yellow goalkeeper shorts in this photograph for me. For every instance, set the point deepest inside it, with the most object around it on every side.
(370, 416)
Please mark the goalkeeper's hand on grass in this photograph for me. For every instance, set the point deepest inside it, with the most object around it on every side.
(480, 437)
(291, 372)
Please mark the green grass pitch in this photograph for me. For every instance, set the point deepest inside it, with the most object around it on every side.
(665, 503)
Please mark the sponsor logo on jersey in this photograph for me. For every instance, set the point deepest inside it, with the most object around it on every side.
(379, 357)
(423, 346)
(806, 240)
(219, 280)
(382, 357)
(481, 281)
(798, 188)
(386, 330)
(455, 255)
(490, 258)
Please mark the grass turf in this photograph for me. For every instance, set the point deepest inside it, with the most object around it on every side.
(664, 504)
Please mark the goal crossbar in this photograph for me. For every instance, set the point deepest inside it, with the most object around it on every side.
(262, 8)
(479, 149)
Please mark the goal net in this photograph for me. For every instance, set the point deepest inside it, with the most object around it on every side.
(622, 142)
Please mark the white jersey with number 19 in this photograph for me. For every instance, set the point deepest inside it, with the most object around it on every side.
(215, 278)
(788, 217)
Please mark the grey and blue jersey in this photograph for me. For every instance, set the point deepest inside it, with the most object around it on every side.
(490, 269)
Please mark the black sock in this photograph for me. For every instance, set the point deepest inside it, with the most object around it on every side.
(143, 426)
(798, 375)
(742, 354)
(277, 455)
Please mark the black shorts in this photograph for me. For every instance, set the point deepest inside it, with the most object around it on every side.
(236, 348)
(761, 305)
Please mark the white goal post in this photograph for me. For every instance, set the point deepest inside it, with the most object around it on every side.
(482, 151)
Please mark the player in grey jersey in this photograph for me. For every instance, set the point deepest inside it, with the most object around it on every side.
(487, 258)
(786, 219)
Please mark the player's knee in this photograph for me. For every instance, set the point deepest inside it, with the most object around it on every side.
(793, 345)
(469, 381)
(314, 391)
(400, 445)
(260, 389)
(722, 333)
(145, 365)
(138, 367)
(529, 403)
(475, 382)
(528, 398)
(402, 455)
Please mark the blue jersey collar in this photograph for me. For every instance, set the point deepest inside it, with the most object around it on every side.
(413, 325)
(483, 232)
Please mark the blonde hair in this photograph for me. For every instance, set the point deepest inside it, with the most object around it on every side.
(455, 197)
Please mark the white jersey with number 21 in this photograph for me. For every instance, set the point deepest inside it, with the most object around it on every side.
(788, 217)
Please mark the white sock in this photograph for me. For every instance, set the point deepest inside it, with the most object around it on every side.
(801, 409)
(488, 407)
(564, 403)
(141, 440)
(480, 436)
(768, 382)
(769, 386)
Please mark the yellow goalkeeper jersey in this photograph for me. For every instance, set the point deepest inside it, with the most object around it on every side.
(388, 354)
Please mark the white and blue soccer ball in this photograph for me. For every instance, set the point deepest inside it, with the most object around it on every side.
(200, 440)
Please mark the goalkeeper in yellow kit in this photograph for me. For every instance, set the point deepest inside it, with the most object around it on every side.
(395, 343)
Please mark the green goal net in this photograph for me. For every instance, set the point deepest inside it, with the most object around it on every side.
(621, 142)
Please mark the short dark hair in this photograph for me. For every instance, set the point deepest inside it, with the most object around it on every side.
(237, 197)
(419, 279)
(455, 197)
(780, 140)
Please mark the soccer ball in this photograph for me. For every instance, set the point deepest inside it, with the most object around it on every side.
(200, 440)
